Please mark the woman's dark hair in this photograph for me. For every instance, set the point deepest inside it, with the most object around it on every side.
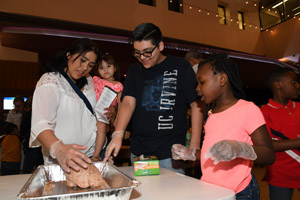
(147, 31)
(80, 47)
(107, 57)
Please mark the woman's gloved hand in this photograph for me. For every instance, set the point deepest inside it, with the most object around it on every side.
(69, 156)
(180, 152)
(226, 150)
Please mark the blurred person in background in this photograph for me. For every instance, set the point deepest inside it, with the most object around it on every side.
(15, 115)
(33, 157)
(11, 149)
(194, 58)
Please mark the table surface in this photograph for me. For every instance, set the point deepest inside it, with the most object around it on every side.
(167, 185)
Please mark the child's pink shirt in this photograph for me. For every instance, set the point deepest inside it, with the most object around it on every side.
(235, 123)
(101, 83)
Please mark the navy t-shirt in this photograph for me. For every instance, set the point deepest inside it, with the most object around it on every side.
(162, 93)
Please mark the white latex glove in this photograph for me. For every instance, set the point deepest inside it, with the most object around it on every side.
(226, 150)
(180, 152)
(114, 146)
(69, 155)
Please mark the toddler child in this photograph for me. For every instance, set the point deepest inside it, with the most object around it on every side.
(107, 75)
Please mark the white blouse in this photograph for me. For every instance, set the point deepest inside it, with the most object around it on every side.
(56, 106)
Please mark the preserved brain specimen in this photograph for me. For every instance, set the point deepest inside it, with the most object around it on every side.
(84, 178)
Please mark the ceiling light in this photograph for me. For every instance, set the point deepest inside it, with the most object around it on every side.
(283, 59)
(296, 8)
(279, 4)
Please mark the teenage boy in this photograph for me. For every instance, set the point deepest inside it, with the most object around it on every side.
(282, 117)
(156, 92)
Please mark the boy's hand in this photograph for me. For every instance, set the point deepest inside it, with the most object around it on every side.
(180, 152)
(114, 146)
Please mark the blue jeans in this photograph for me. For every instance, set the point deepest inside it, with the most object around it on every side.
(168, 163)
(250, 192)
(280, 193)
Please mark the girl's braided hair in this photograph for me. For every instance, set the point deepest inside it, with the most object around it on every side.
(221, 63)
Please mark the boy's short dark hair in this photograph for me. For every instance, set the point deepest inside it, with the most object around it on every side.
(147, 31)
(275, 74)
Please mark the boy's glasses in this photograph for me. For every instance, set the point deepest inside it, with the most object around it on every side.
(146, 54)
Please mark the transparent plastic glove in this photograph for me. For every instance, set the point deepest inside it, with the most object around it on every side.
(227, 150)
(114, 146)
(180, 152)
(69, 156)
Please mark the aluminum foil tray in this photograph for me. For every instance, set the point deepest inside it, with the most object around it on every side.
(49, 182)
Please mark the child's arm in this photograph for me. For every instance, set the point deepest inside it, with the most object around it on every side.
(262, 145)
(284, 145)
(197, 120)
(119, 98)
(119, 105)
(100, 139)
(261, 152)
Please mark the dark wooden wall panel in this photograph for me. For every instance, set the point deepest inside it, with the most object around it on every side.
(17, 78)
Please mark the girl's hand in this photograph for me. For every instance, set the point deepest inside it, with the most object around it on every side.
(69, 156)
(111, 112)
(227, 150)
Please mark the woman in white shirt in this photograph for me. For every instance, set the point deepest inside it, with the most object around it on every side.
(61, 121)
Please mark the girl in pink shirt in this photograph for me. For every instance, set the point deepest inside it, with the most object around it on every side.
(235, 131)
(106, 75)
